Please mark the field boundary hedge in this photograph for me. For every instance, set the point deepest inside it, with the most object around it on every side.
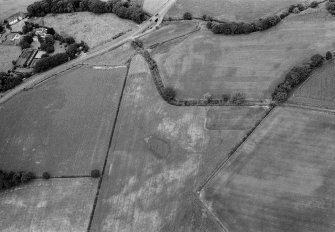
(157, 79)
(297, 76)
(228, 27)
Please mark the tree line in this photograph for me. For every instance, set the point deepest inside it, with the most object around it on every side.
(12, 179)
(125, 10)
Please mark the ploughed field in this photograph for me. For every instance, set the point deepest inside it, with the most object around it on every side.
(281, 179)
(62, 126)
(319, 89)
(159, 155)
(55, 205)
(252, 64)
(235, 10)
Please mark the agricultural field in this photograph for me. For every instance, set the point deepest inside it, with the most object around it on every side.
(89, 27)
(281, 179)
(62, 126)
(158, 157)
(319, 89)
(10, 7)
(54, 205)
(152, 6)
(7, 55)
(252, 64)
(170, 31)
(235, 10)
(118, 56)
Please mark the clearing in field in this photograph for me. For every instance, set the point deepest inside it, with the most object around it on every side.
(89, 27)
(62, 126)
(159, 155)
(282, 179)
(7, 55)
(319, 89)
(54, 205)
(252, 64)
(235, 10)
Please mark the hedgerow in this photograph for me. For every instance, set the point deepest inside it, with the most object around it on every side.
(295, 77)
(12, 179)
(120, 8)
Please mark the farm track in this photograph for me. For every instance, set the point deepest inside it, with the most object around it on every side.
(107, 152)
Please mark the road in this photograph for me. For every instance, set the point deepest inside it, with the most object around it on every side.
(145, 28)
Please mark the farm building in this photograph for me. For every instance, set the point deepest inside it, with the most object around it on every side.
(15, 18)
(26, 58)
(41, 31)
(10, 39)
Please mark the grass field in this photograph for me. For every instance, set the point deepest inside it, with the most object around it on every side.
(237, 10)
(282, 178)
(319, 90)
(10, 7)
(252, 64)
(159, 155)
(91, 28)
(62, 126)
(55, 205)
(7, 55)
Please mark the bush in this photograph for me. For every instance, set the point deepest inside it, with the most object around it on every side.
(50, 62)
(45, 55)
(330, 6)
(329, 55)
(50, 49)
(208, 98)
(169, 94)
(187, 16)
(238, 99)
(209, 25)
(51, 31)
(72, 51)
(46, 175)
(27, 176)
(8, 82)
(49, 39)
(317, 61)
(137, 43)
(301, 7)
(296, 10)
(225, 97)
(12, 179)
(204, 17)
(291, 8)
(314, 4)
(95, 173)
(69, 40)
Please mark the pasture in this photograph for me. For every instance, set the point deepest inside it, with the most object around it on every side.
(319, 89)
(7, 55)
(89, 27)
(61, 126)
(54, 205)
(252, 64)
(281, 179)
(235, 10)
(159, 155)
